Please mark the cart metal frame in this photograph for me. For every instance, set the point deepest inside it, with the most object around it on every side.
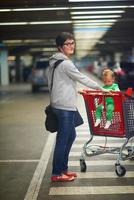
(122, 127)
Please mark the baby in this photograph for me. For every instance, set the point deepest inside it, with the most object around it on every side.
(108, 79)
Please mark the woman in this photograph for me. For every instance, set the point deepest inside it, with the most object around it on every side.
(63, 101)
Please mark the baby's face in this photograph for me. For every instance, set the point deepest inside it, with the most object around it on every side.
(108, 80)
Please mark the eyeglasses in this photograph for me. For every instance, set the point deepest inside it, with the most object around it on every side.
(69, 44)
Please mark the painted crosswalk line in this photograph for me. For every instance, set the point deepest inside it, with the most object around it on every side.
(118, 145)
(34, 187)
(93, 175)
(99, 163)
(19, 161)
(83, 190)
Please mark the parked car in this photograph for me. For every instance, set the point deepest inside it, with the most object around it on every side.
(39, 75)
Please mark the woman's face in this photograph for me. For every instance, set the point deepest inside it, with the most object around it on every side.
(68, 47)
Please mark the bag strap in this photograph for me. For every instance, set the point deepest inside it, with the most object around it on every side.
(55, 65)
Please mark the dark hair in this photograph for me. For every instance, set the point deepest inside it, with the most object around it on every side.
(62, 37)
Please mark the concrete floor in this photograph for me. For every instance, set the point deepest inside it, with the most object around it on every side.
(26, 155)
(22, 138)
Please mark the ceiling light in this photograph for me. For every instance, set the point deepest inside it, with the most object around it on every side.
(49, 49)
(95, 21)
(97, 12)
(12, 41)
(33, 9)
(5, 10)
(35, 23)
(32, 41)
(87, 29)
(91, 0)
(35, 49)
(51, 22)
(40, 9)
(13, 23)
(96, 16)
(93, 24)
(97, 7)
(42, 49)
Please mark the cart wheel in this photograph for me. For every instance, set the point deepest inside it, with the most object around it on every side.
(120, 170)
(83, 165)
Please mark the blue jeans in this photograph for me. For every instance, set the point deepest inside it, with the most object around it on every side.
(65, 137)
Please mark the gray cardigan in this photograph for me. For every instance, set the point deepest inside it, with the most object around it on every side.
(64, 93)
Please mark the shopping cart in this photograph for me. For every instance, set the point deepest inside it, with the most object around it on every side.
(122, 126)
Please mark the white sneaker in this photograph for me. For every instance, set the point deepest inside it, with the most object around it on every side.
(108, 123)
(97, 122)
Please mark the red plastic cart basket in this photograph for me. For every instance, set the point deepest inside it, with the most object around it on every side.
(92, 99)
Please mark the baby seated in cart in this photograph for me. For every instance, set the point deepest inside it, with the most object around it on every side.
(109, 84)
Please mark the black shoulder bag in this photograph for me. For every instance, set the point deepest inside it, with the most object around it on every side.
(51, 122)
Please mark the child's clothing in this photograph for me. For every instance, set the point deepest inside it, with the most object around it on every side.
(109, 102)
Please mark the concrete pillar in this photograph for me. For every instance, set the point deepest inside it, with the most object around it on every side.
(132, 54)
(4, 70)
(18, 69)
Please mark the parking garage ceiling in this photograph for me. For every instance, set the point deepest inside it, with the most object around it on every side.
(98, 25)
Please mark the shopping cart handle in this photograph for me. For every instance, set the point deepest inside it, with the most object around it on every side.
(98, 92)
(128, 92)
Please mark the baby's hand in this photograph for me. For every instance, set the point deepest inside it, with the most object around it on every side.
(106, 91)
